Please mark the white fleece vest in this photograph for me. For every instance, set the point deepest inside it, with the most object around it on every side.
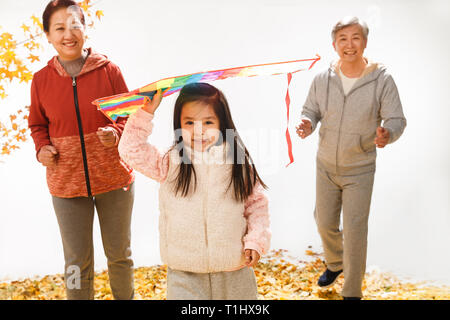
(202, 232)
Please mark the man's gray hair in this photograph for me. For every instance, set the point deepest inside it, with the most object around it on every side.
(350, 21)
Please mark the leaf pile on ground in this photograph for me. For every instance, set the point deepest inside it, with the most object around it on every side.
(279, 277)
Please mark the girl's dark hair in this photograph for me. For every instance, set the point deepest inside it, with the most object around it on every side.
(55, 5)
(244, 175)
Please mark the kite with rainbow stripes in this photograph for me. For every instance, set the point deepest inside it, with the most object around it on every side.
(122, 105)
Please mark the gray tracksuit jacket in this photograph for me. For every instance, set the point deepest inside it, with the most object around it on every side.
(349, 122)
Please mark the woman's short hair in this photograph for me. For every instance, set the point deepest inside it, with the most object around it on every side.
(55, 5)
(350, 21)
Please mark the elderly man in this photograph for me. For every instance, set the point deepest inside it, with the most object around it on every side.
(351, 99)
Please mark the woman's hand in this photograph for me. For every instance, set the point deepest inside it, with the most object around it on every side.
(47, 156)
(251, 257)
(106, 136)
(304, 129)
(153, 104)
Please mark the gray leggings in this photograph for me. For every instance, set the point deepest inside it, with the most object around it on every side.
(231, 285)
(75, 218)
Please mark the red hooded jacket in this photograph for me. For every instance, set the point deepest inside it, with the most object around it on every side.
(84, 167)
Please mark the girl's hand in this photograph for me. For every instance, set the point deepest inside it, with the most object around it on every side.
(47, 155)
(304, 129)
(251, 257)
(106, 136)
(153, 104)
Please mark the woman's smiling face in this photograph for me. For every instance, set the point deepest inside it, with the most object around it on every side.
(350, 43)
(66, 34)
(200, 125)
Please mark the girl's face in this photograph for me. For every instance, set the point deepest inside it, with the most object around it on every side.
(200, 125)
(66, 34)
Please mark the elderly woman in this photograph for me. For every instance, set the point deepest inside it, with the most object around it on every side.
(78, 146)
(351, 100)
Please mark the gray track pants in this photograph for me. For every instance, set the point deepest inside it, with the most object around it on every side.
(232, 285)
(75, 218)
(346, 249)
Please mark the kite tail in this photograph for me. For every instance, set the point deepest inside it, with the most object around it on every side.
(288, 136)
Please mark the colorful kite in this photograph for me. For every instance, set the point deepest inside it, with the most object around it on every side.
(122, 105)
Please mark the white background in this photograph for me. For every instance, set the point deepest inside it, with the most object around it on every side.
(409, 222)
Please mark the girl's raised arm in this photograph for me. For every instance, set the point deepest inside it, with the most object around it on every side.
(137, 152)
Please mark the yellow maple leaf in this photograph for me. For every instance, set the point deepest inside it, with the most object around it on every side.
(20, 137)
(85, 5)
(7, 37)
(28, 45)
(26, 76)
(25, 28)
(33, 58)
(8, 57)
(37, 21)
(99, 14)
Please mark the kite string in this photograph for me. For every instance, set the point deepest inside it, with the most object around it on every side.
(288, 136)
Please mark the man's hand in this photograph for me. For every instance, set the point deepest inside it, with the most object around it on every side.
(47, 156)
(106, 136)
(304, 129)
(251, 257)
(382, 138)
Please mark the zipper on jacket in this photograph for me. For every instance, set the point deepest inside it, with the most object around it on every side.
(339, 134)
(341, 89)
(80, 130)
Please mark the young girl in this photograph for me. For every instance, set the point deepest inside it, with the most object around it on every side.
(214, 220)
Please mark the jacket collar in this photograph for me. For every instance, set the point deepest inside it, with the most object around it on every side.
(370, 73)
(94, 61)
(215, 154)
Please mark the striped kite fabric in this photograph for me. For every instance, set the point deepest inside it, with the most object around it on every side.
(122, 105)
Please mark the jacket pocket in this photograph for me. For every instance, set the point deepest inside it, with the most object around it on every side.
(351, 152)
(367, 144)
(327, 146)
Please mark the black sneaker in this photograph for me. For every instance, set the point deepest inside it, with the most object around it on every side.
(352, 298)
(328, 278)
